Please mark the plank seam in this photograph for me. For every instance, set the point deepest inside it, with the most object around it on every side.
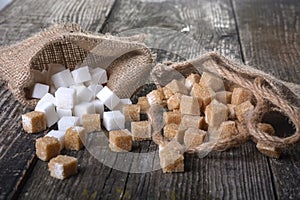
(272, 179)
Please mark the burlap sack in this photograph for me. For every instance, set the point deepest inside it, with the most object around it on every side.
(270, 93)
(125, 59)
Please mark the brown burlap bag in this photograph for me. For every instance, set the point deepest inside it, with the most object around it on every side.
(125, 59)
(271, 95)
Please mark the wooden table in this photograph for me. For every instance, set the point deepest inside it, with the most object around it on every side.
(262, 33)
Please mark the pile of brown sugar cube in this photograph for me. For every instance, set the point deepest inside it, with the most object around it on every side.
(80, 103)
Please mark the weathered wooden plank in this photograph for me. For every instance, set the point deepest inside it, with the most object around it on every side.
(18, 21)
(269, 33)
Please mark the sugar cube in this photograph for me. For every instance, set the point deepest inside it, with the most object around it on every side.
(83, 94)
(99, 107)
(108, 97)
(81, 74)
(62, 167)
(113, 120)
(143, 103)
(156, 97)
(122, 103)
(194, 137)
(99, 76)
(224, 96)
(73, 138)
(49, 110)
(67, 121)
(242, 110)
(84, 108)
(65, 97)
(171, 157)
(141, 130)
(231, 111)
(95, 89)
(228, 129)
(190, 121)
(131, 112)
(190, 80)
(173, 102)
(204, 94)
(170, 131)
(240, 95)
(47, 148)
(47, 98)
(267, 128)
(91, 122)
(60, 135)
(177, 86)
(172, 117)
(39, 90)
(120, 140)
(61, 112)
(189, 105)
(216, 113)
(167, 93)
(268, 149)
(62, 79)
(212, 81)
(34, 122)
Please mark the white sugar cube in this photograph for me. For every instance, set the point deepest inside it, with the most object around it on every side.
(99, 107)
(66, 122)
(61, 112)
(60, 135)
(95, 89)
(62, 79)
(83, 94)
(99, 76)
(39, 90)
(49, 110)
(108, 97)
(65, 97)
(113, 120)
(81, 74)
(122, 103)
(84, 108)
(47, 98)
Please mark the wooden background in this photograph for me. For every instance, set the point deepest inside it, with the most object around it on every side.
(262, 33)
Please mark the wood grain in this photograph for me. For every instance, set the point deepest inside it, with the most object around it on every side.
(270, 39)
(18, 21)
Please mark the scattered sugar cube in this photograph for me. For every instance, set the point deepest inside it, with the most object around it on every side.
(62, 79)
(268, 149)
(120, 140)
(177, 87)
(204, 94)
(81, 74)
(62, 167)
(95, 89)
(113, 120)
(228, 129)
(224, 97)
(194, 137)
(83, 94)
(67, 121)
(216, 113)
(122, 103)
(267, 128)
(155, 97)
(189, 105)
(171, 157)
(39, 90)
(167, 93)
(143, 103)
(190, 80)
(65, 97)
(108, 97)
(99, 107)
(47, 148)
(73, 138)
(34, 122)
(47, 98)
(173, 102)
(91, 122)
(170, 131)
(99, 76)
(141, 130)
(49, 110)
(172, 117)
(62, 112)
(60, 135)
(131, 112)
(212, 81)
(242, 110)
(84, 108)
(190, 121)
(231, 111)
(240, 95)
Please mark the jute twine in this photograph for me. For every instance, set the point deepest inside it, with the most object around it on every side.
(270, 94)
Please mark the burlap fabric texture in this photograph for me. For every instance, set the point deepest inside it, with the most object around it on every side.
(125, 59)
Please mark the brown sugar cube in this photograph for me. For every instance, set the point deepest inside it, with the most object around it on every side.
(204, 94)
(167, 93)
(34, 122)
(91, 122)
(141, 130)
(120, 140)
(156, 97)
(173, 102)
(190, 121)
(267, 128)
(62, 167)
(268, 149)
(132, 112)
(216, 113)
(240, 95)
(172, 117)
(73, 138)
(212, 81)
(231, 111)
(143, 103)
(189, 105)
(171, 157)
(177, 87)
(47, 148)
(228, 129)
(191, 79)
(224, 97)
(242, 109)
(194, 137)
(170, 131)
